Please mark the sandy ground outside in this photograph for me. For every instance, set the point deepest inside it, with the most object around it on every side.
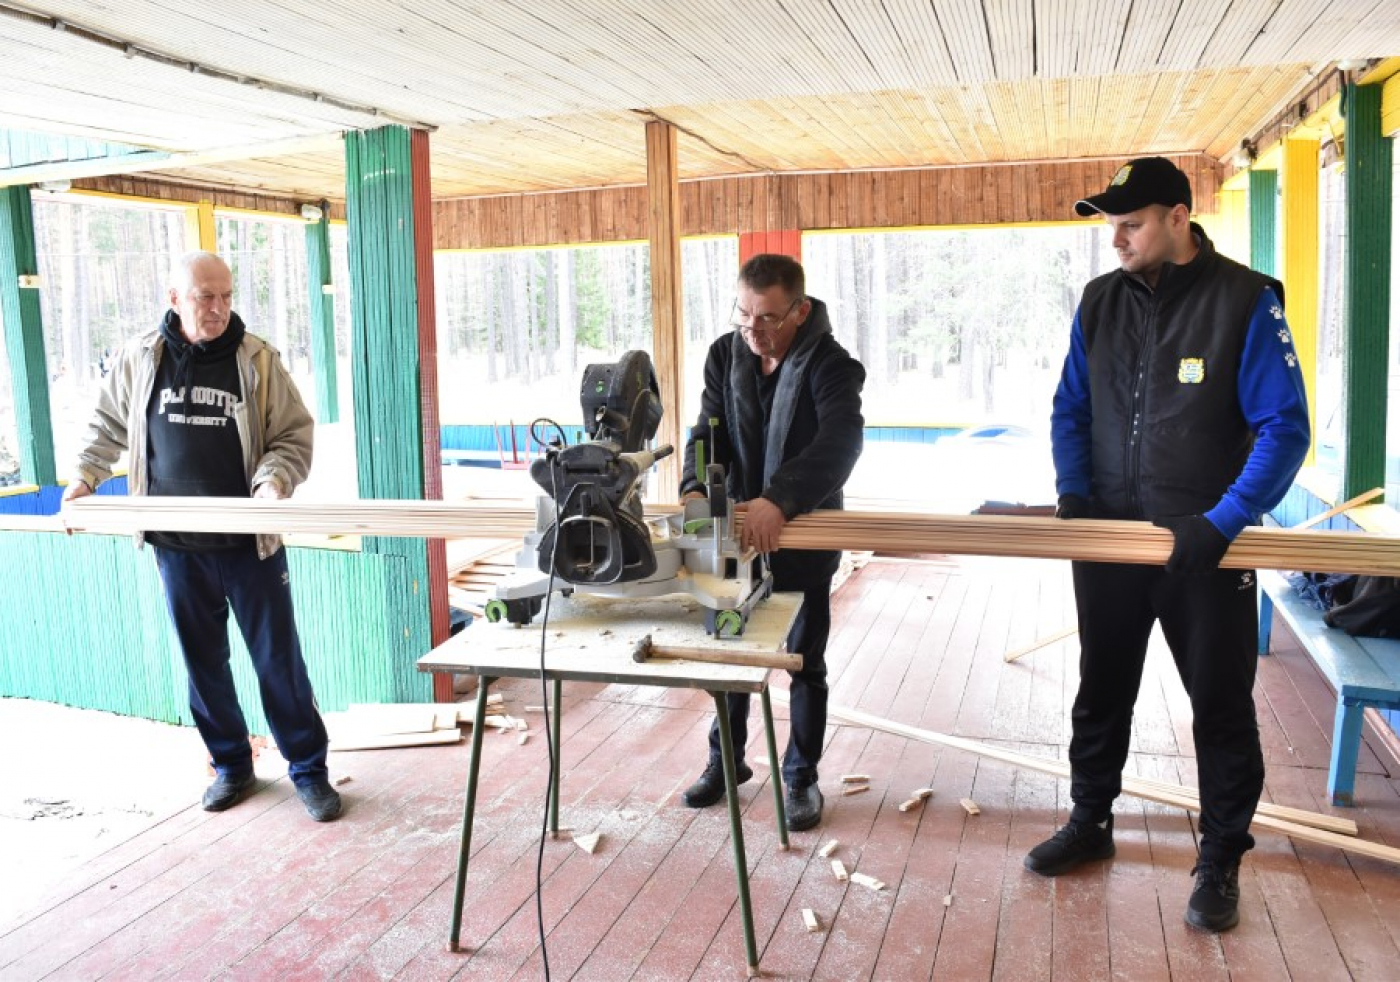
(76, 782)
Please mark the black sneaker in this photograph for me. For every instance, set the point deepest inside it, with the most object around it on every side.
(1215, 902)
(321, 800)
(710, 786)
(1075, 844)
(227, 791)
(803, 806)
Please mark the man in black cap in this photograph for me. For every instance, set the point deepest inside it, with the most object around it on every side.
(1180, 403)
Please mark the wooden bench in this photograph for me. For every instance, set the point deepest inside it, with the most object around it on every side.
(1363, 671)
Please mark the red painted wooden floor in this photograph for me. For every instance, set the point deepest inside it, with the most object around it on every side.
(260, 892)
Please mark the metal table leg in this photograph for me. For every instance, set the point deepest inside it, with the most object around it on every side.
(736, 827)
(774, 771)
(468, 813)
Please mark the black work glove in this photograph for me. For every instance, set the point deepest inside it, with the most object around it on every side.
(1074, 506)
(1198, 546)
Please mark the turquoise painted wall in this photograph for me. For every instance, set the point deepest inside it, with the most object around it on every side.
(85, 625)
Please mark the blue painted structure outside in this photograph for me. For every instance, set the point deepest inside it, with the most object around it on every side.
(488, 445)
(45, 501)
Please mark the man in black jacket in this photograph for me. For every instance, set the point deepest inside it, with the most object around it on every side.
(1181, 403)
(787, 397)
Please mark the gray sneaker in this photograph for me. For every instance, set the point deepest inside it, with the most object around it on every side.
(803, 806)
(1072, 846)
(227, 791)
(321, 800)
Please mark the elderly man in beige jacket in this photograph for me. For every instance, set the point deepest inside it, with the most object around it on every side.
(207, 409)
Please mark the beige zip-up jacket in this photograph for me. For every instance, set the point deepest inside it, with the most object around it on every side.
(276, 438)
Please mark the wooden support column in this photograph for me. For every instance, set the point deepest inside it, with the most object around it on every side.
(322, 295)
(1299, 182)
(428, 400)
(1263, 221)
(394, 368)
(24, 336)
(667, 308)
(1367, 304)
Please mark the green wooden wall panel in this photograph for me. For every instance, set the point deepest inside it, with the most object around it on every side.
(1263, 221)
(322, 314)
(103, 640)
(386, 363)
(24, 338)
(1367, 304)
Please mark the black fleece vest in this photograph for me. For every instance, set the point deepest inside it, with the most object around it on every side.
(1168, 435)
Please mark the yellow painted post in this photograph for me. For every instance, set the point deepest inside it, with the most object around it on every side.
(199, 227)
(1298, 178)
(1390, 106)
(1228, 228)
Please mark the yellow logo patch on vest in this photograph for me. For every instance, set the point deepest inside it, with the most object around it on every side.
(1122, 176)
(1192, 371)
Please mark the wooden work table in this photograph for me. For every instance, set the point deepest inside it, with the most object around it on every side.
(589, 639)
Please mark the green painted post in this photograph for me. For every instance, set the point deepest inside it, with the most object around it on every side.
(1367, 302)
(24, 337)
(318, 277)
(385, 363)
(1263, 221)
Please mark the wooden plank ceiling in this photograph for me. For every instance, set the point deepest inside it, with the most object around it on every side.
(550, 94)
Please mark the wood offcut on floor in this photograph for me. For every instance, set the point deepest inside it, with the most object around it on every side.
(260, 892)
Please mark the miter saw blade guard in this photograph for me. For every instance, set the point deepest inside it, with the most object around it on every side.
(591, 535)
(594, 539)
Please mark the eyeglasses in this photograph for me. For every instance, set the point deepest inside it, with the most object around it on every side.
(760, 323)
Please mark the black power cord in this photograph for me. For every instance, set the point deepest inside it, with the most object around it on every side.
(552, 456)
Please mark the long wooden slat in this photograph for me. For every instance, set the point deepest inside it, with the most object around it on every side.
(1290, 821)
(1345, 506)
(883, 532)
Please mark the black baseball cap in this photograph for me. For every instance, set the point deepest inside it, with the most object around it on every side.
(1137, 184)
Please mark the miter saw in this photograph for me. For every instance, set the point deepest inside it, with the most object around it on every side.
(591, 535)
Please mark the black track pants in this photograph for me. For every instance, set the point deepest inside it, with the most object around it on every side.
(807, 693)
(1210, 624)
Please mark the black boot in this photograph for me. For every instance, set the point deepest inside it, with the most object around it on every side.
(709, 788)
(1215, 902)
(1075, 844)
(803, 805)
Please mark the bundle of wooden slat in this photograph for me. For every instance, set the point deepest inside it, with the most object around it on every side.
(387, 517)
(1303, 825)
(883, 532)
(474, 567)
